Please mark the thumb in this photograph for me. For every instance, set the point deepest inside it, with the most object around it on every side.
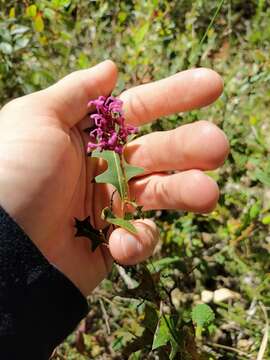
(129, 249)
(68, 98)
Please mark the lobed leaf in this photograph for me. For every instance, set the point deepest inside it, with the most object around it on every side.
(123, 223)
(132, 171)
(114, 174)
(84, 228)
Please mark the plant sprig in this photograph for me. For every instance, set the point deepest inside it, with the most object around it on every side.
(108, 137)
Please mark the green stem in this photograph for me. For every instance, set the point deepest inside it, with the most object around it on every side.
(212, 20)
(126, 186)
(198, 332)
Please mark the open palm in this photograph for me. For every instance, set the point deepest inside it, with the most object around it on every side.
(46, 176)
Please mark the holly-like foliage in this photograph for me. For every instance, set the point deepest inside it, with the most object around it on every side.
(85, 229)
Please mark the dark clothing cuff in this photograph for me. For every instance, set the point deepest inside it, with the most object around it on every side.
(39, 306)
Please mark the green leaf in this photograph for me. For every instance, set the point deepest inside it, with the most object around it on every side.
(117, 343)
(202, 315)
(255, 210)
(266, 220)
(132, 171)
(83, 61)
(114, 174)
(49, 13)
(239, 159)
(112, 219)
(6, 48)
(31, 11)
(128, 216)
(21, 43)
(174, 348)
(161, 264)
(122, 16)
(140, 34)
(262, 176)
(61, 3)
(150, 320)
(19, 29)
(162, 334)
(38, 23)
(12, 13)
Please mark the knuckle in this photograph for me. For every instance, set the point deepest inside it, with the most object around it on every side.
(160, 192)
(18, 103)
(137, 109)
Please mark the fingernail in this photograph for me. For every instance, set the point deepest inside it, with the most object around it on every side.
(131, 245)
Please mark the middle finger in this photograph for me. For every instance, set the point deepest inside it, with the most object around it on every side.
(200, 145)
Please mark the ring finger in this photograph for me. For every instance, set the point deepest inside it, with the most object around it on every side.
(200, 145)
(189, 190)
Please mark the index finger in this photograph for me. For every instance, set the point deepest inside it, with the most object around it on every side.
(186, 90)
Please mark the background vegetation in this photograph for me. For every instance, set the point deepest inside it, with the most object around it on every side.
(226, 252)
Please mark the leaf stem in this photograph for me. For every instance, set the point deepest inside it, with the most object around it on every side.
(126, 198)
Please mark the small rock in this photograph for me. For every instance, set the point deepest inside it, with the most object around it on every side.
(176, 296)
(244, 344)
(207, 238)
(224, 294)
(207, 296)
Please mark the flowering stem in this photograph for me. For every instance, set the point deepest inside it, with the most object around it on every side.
(110, 133)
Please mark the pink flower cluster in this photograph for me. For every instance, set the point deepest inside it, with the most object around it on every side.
(110, 131)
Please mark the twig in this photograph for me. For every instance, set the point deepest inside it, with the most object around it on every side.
(56, 355)
(212, 21)
(252, 309)
(225, 347)
(105, 316)
(168, 292)
(264, 342)
(245, 233)
(130, 283)
(106, 299)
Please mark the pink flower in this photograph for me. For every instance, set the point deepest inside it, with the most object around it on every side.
(110, 131)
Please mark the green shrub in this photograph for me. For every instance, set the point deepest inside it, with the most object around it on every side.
(42, 41)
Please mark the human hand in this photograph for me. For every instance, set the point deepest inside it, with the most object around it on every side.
(46, 175)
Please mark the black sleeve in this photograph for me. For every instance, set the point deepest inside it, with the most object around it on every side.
(39, 306)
